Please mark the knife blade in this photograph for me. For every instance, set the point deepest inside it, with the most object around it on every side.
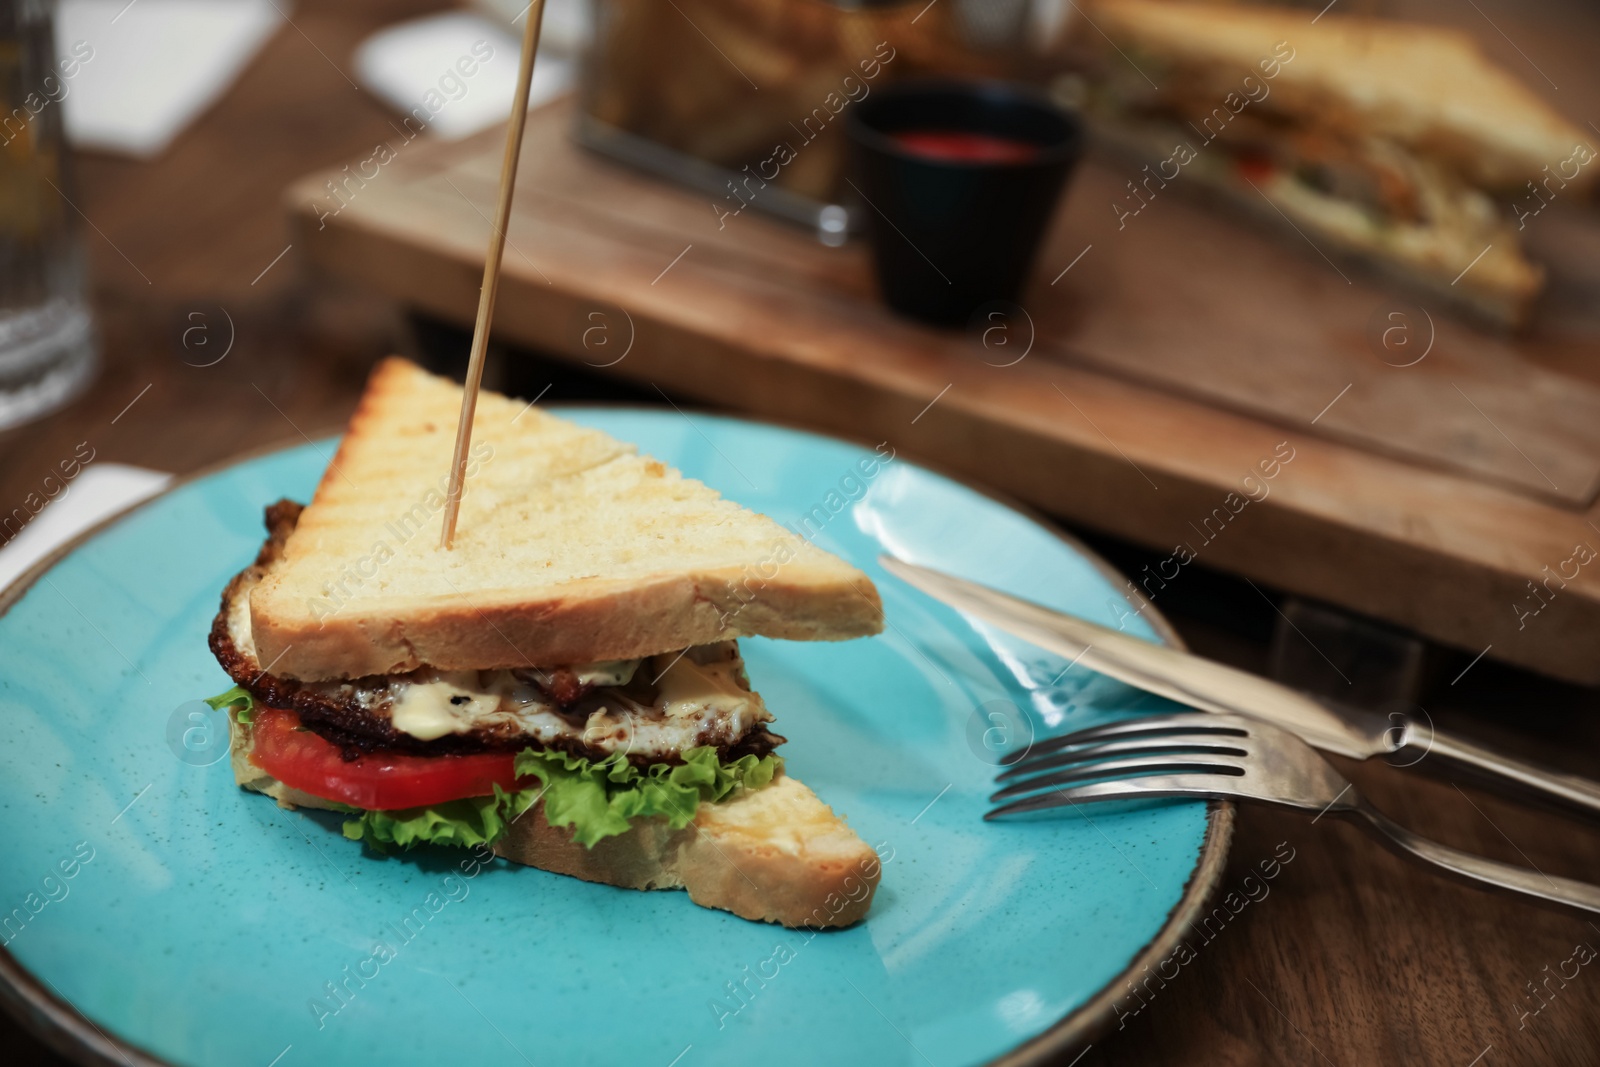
(1210, 686)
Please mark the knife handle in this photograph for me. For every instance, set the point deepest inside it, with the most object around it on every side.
(1570, 789)
(1477, 870)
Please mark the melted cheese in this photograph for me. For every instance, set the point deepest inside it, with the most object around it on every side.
(697, 703)
(452, 703)
(686, 687)
(607, 672)
(456, 702)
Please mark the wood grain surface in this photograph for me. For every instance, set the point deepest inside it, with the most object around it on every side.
(1349, 956)
(1285, 332)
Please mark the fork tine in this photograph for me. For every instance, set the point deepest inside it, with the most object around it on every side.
(1126, 767)
(1171, 785)
(1150, 725)
(1174, 743)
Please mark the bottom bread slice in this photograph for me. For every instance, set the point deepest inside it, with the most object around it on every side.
(776, 854)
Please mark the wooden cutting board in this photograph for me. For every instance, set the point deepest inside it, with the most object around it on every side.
(1432, 524)
(1207, 303)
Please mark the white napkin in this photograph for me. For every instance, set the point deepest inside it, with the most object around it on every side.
(455, 73)
(99, 490)
(153, 65)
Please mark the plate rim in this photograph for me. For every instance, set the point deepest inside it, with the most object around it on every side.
(59, 1025)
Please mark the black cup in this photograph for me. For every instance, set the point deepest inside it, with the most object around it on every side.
(948, 235)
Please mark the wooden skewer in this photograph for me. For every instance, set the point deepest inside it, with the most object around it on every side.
(491, 271)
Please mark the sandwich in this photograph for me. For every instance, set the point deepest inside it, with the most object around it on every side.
(564, 685)
(1395, 143)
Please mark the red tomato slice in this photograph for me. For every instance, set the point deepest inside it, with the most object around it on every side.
(377, 781)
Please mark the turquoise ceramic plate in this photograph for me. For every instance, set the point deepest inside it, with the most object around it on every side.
(146, 902)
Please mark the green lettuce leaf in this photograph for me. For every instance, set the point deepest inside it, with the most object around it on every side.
(237, 695)
(597, 799)
(464, 823)
(600, 799)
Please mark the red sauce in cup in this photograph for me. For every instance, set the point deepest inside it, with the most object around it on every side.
(965, 146)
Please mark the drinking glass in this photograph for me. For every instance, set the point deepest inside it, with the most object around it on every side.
(47, 350)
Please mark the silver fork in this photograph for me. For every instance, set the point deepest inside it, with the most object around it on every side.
(1229, 757)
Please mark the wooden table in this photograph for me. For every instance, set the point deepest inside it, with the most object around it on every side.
(1354, 957)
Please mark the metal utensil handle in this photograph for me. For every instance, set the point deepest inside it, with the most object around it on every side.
(1570, 789)
(1479, 870)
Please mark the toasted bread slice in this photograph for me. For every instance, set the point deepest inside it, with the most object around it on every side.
(570, 548)
(1421, 85)
(776, 854)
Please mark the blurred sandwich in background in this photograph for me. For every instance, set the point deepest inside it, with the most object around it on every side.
(1396, 143)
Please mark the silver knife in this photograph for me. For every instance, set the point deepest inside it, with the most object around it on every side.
(1209, 686)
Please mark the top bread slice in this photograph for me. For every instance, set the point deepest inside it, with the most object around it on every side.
(570, 548)
(1421, 85)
